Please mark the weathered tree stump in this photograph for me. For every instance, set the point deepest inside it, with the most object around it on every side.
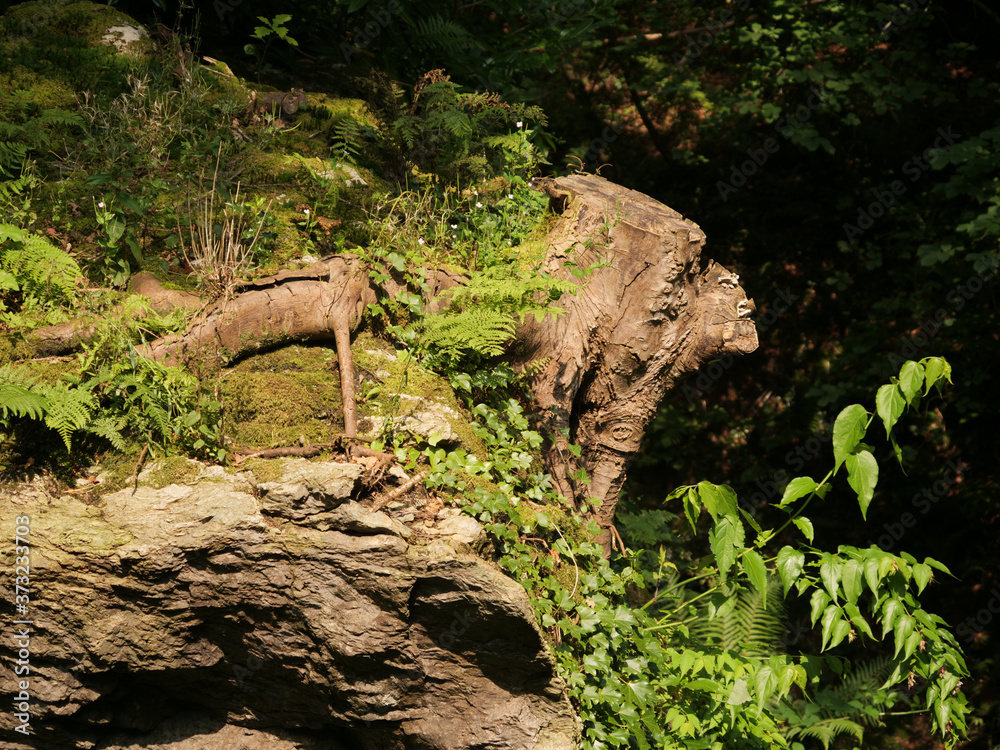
(647, 317)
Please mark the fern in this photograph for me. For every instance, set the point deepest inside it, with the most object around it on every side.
(753, 627)
(17, 139)
(40, 270)
(841, 709)
(111, 429)
(69, 409)
(483, 313)
(18, 397)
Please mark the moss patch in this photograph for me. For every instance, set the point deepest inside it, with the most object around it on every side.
(274, 399)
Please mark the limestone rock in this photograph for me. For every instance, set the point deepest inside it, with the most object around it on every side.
(223, 611)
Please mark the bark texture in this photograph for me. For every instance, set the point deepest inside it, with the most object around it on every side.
(227, 612)
(648, 316)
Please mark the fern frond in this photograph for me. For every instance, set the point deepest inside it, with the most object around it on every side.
(753, 627)
(110, 429)
(826, 730)
(479, 330)
(17, 396)
(42, 270)
(69, 410)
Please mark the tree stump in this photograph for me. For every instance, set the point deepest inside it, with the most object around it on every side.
(649, 315)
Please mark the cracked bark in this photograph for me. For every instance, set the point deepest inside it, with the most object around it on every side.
(643, 320)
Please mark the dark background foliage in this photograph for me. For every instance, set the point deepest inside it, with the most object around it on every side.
(796, 135)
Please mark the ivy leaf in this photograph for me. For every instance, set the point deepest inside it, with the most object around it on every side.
(911, 378)
(804, 525)
(848, 430)
(756, 571)
(889, 403)
(790, 565)
(862, 475)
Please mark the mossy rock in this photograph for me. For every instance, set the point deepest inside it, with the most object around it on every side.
(278, 398)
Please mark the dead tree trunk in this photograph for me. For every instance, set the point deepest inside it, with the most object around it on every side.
(645, 318)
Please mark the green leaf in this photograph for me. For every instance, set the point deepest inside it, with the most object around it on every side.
(850, 580)
(862, 475)
(709, 686)
(804, 525)
(939, 565)
(756, 571)
(830, 572)
(725, 538)
(719, 499)
(817, 603)
(790, 565)
(848, 430)
(934, 369)
(911, 378)
(739, 694)
(858, 620)
(692, 506)
(889, 403)
(798, 487)
(922, 575)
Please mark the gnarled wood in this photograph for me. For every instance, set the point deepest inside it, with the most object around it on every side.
(647, 317)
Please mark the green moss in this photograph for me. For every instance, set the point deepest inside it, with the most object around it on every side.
(264, 470)
(172, 470)
(273, 399)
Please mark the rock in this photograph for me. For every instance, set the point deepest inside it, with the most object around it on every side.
(223, 611)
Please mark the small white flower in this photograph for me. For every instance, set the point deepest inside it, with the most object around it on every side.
(510, 196)
(100, 204)
(454, 226)
(454, 236)
(420, 241)
(305, 211)
(478, 204)
(519, 124)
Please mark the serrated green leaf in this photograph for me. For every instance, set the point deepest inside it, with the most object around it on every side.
(725, 538)
(911, 378)
(817, 604)
(850, 580)
(790, 565)
(739, 694)
(934, 368)
(756, 571)
(797, 488)
(692, 506)
(848, 430)
(862, 475)
(889, 403)
(804, 525)
(922, 575)
(829, 572)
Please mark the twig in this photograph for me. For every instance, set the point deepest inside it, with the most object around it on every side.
(138, 465)
(401, 490)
